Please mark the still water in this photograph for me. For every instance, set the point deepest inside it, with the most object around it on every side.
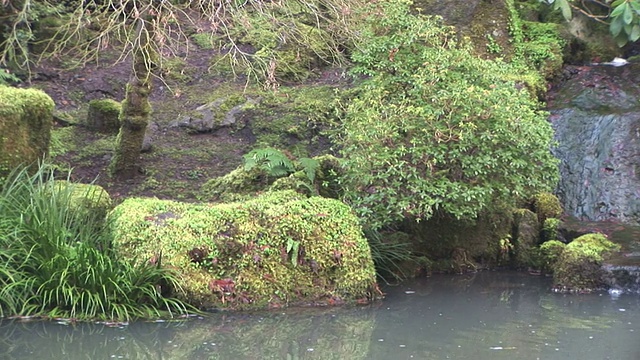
(488, 315)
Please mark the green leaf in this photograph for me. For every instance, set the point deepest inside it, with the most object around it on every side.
(616, 26)
(617, 11)
(622, 40)
(628, 14)
(634, 35)
(617, 3)
(635, 4)
(309, 166)
(566, 9)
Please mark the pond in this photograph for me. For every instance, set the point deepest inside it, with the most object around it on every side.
(487, 315)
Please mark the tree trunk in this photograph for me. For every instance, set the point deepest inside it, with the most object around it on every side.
(136, 109)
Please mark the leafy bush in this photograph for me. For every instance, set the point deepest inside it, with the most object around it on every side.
(435, 128)
(623, 16)
(54, 260)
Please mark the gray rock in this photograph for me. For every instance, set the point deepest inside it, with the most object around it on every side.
(147, 143)
(209, 117)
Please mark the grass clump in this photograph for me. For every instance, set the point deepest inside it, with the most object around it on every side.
(55, 261)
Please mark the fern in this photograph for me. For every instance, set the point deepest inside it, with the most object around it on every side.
(277, 164)
(309, 166)
(273, 161)
(7, 78)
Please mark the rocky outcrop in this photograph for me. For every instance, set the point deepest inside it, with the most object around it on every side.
(596, 117)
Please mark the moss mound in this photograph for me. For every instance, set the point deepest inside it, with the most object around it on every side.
(579, 265)
(277, 249)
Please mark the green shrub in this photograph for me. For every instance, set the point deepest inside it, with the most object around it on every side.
(435, 128)
(550, 229)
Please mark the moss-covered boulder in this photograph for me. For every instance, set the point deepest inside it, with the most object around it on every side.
(26, 117)
(579, 265)
(277, 249)
(104, 116)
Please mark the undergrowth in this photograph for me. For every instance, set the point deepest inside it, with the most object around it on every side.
(55, 261)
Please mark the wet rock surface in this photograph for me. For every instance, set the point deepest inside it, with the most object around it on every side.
(596, 117)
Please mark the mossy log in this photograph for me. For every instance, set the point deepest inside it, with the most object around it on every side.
(278, 249)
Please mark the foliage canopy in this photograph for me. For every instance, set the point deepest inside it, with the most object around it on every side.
(435, 128)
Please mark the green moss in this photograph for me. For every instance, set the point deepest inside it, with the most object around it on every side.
(235, 185)
(204, 40)
(579, 266)
(277, 249)
(62, 141)
(289, 46)
(546, 205)
(176, 70)
(106, 105)
(25, 127)
(295, 118)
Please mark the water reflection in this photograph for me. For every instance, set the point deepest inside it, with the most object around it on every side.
(482, 316)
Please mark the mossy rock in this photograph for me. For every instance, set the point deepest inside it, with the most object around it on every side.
(526, 236)
(579, 266)
(278, 249)
(104, 116)
(26, 118)
(546, 205)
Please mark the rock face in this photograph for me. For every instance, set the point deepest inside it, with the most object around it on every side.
(596, 117)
